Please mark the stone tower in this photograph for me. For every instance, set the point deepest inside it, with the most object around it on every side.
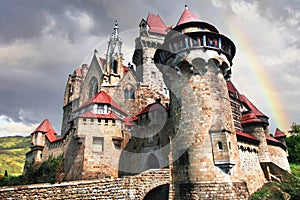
(195, 60)
(152, 33)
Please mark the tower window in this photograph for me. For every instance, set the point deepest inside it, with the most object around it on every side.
(220, 145)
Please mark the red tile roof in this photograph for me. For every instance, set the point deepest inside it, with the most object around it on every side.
(272, 139)
(231, 88)
(51, 136)
(279, 134)
(187, 16)
(254, 110)
(128, 121)
(151, 107)
(110, 115)
(246, 135)
(102, 98)
(156, 24)
(249, 118)
(44, 127)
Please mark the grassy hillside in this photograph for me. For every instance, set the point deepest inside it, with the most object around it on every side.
(289, 188)
(12, 154)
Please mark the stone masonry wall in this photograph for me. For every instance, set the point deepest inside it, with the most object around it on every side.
(278, 156)
(134, 187)
(251, 169)
(214, 190)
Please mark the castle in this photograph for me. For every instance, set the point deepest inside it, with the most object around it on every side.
(174, 107)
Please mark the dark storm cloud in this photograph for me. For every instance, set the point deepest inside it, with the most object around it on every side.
(56, 35)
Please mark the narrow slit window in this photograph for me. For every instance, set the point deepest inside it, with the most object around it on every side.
(220, 145)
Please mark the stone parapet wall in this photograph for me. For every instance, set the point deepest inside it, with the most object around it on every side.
(131, 187)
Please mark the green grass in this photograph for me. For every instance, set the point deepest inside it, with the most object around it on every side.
(295, 169)
(12, 154)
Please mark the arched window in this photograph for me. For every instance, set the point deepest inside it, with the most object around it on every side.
(126, 94)
(93, 87)
(114, 66)
(131, 95)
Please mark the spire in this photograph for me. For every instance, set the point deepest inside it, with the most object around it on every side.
(116, 31)
(187, 16)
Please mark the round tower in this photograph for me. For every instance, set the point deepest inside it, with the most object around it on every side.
(195, 60)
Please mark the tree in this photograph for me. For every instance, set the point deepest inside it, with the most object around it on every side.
(295, 128)
(293, 145)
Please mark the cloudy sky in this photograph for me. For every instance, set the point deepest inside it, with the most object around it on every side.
(42, 42)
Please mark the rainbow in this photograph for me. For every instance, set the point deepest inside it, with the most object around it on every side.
(278, 115)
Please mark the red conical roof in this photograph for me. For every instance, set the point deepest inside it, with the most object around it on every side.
(156, 24)
(187, 16)
(279, 134)
(44, 127)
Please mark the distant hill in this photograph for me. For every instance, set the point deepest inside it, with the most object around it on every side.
(12, 154)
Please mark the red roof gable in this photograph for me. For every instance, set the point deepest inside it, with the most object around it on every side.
(254, 110)
(103, 98)
(154, 106)
(187, 16)
(44, 127)
(279, 134)
(156, 24)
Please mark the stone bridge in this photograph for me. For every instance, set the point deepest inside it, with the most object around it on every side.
(129, 187)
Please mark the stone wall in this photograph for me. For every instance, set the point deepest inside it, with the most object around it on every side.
(135, 187)
(213, 190)
(99, 163)
(250, 166)
(278, 156)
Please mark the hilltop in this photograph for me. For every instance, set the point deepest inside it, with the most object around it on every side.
(12, 154)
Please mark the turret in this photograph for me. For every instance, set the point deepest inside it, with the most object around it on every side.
(195, 60)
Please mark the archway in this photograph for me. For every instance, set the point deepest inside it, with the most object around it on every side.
(161, 192)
